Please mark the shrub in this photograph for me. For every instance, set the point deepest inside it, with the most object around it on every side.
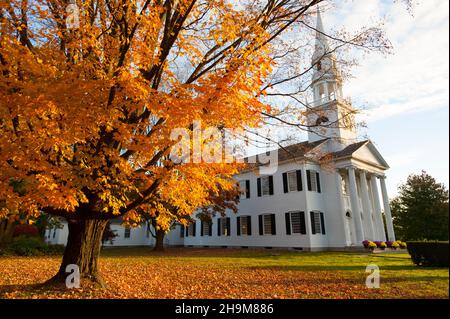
(432, 253)
(31, 246)
(25, 230)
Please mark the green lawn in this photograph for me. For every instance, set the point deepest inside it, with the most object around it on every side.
(233, 273)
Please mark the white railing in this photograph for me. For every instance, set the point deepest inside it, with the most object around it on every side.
(326, 99)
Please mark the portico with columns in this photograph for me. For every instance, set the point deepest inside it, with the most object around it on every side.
(366, 215)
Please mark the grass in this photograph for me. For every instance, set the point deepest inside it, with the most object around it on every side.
(231, 273)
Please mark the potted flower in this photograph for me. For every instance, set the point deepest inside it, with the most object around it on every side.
(395, 245)
(389, 243)
(371, 245)
(383, 245)
(403, 245)
(366, 243)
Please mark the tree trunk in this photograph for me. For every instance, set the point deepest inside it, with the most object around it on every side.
(159, 245)
(82, 249)
(6, 230)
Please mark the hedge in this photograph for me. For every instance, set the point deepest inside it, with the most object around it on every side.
(30, 246)
(429, 253)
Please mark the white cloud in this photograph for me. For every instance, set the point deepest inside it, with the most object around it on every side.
(416, 77)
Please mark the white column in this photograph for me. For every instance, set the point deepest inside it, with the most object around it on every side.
(377, 213)
(356, 210)
(387, 210)
(325, 91)
(341, 208)
(367, 212)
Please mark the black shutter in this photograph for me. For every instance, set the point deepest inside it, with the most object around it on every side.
(195, 225)
(274, 228)
(181, 230)
(201, 226)
(288, 223)
(259, 186)
(302, 223)
(299, 181)
(318, 182)
(247, 188)
(238, 225)
(285, 183)
(261, 231)
(218, 226)
(187, 230)
(210, 228)
(313, 225)
(228, 226)
(308, 178)
(322, 222)
(271, 185)
(249, 225)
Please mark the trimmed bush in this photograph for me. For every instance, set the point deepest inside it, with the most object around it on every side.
(28, 230)
(31, 246)
(429, 253)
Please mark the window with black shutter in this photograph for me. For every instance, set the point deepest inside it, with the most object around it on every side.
(244, 189)
(127, 232)
(295, 223)
(243, 225)
(182, 231)
(267, 225)
(206, 228)
(313, 180)
(317, 222)
(224, 227)
(191, 230)
(265, 186)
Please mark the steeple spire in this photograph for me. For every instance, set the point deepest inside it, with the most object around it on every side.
(323, 59)
(321, 46)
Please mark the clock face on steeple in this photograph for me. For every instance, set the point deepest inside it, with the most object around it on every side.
(348, 121)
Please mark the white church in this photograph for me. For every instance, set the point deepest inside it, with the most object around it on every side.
(308, 204)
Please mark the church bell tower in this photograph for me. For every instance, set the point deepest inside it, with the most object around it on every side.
(328, 115)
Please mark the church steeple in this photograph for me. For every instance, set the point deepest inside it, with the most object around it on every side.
(329, 116)
(327, 84)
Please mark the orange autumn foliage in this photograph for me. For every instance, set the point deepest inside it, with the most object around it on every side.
(86, 112)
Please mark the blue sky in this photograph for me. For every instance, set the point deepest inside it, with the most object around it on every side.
(405, 95)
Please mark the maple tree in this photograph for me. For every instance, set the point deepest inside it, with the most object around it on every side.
(88, 105)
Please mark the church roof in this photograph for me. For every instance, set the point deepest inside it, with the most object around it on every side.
(349, 150)
(294, 151)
